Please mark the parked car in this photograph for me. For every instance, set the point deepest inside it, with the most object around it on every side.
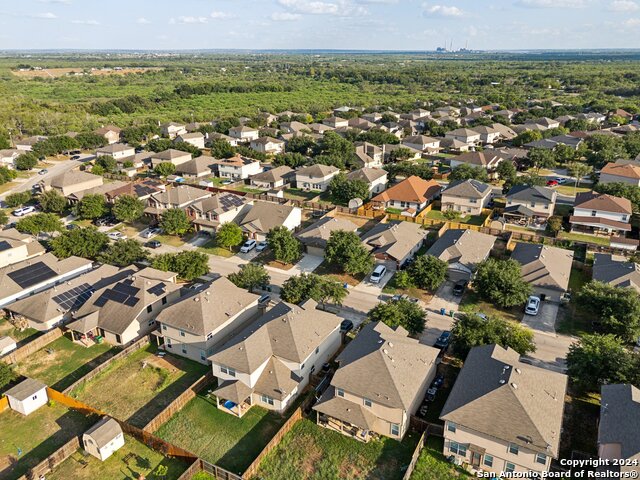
(153, 244)
(397, 297)
(9, 225)
(346, 326)
(431, 394)
(533, 305)
(443, 340)
(459, 288)
(261, 246)
(552, 183)
(117, 236)
(248, 246)
(19, 212)
(150, 232)
(75, 157)
(105, 222)
(226, 182)
(378, 273)
(561, 181)
(44, 171)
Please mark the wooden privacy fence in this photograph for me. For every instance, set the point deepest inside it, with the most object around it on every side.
(33, 346)
(194, 468)
(53, 460)
(416, 454)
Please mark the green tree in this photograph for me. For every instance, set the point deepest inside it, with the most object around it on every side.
(4, 143)
(107, 162)
(174, 221)
(285, 247)
(345, 251)
(400, 154)
(342, 189)
(470, 330)
(403, 280)
(500, 281)
(123, 253)
(40, 222)
(605, 148)
(466, 172)
(7, 375)
(506, 172)
(530, 179)
(159, 145)
(290, 159)
(26, 161)
(221, 149)
(81, 242)
(90, 140)
(7, 175)
(165, 169)
(428, 272)
(17, 199)
(52, 202)
(298, 289)
(92, 206)
(4, 218)
(188, 265)
(578, 170)
(541, 158)
(554, 225)
(526, 137)
(403, 313)
(564, 153)
(229, 235)
(250, 276)
(128, 208)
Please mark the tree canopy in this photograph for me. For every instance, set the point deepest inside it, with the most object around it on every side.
(123, 253)
(403, 313)
(92, 206)
(81, 242)
(298, 289)
(52, 201)
(127, 208)
(40, 222)
(188, 265)
(500, 281)
(285, 247)
(345, 251)
(174, 221)
(229, 235)
(471, 330)
(428, 272)
(250, 276)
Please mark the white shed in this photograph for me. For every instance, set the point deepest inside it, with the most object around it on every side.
(104, 438)
(7, 344)
(27, 396)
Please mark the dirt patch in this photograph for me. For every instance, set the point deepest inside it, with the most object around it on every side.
(171, 364)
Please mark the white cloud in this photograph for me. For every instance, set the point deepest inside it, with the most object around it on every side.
(442, 10)
(220, 15)
(64, 2)
(319, 7)
(46, 15)
(143, 21)
(85, 22)
(188, 20)
(552, 3)
(285, 17)
(632, 23)
(624, 6)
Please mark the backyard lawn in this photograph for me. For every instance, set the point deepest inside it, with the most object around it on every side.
(36, 436)
(579, 237)
(470, 219)
(62, 362)
(7, 329)
(432, 464)
(310, 452)
(580, 427)
(218, 437)
(573, 320)
(298, 194)
(136, 388)
(87, 467)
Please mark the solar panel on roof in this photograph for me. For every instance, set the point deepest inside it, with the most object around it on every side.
(126, 288)
(32, 275)
(157, 289)
(74, 297)
(4, 245)
(102, 300)
(131, 301)
(117, 296)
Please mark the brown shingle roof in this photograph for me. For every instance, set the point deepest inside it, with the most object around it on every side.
(622, 170)
(602, 201)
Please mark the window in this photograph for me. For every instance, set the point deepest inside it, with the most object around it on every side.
(541, 458)
(624, 218)
(118, 339)
(164, 327)
(151, 322)
(509, 467)
(209, 335)
(164, 300)
(181, 333)
(168, 344)
(35, 397)
(473, 200)
(184, 349)
(339, 392)
(203, 355)
(458, 449)
(513, 448)
(395, 429)
(488, 460)
(593, 213)
(229, 371)
(149, 308)
(451, 427)
(367, 402)
(533, 204)
(266, 399)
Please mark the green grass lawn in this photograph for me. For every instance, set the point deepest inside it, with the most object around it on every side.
(173, 240)
(570, 189)
(218, 437)
(37, 435)
(138, 387)
(299, 194)
(311, 452)
(579, 237)
(473, 302)
(87, 467)
(5, 187)
(572, 319)
(469, 219)
(433, 465)
(580, 428)
(7, 329)
(62, 362)
(334, 273)
(211, 249)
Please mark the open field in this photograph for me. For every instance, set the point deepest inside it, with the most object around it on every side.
(136, 388)
(62, 362)
(37, 436)
(81, 466)
(310, 452)
(218, 437)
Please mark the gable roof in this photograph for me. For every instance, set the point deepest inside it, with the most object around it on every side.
(219, 202)
(181, 195)
(620, 418)
(196, 165)
(317, 170)
(466, 247)
(603, 202)
(104, 431)
(526, 193)
(273, 175)
(114, 148)
(627, 170)
(395, 239)
(367, 174)
(413, 189)
(482, 159)
(316, 235)
(616, 271)
(544, 266)
(170, 154)
(468, 189)
(72, 177)
(25, 389)
(263, 216)
(498, 395)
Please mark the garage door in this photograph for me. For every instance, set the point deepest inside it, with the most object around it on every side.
(315, 251)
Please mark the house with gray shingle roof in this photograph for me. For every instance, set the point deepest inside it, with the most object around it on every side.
(463, 250)
(315, 237)
(376, 178)
(264, 216)
(381, 381)
(615, 270)
(315, 177)
(546, 269)
(395, 241)
(273, 178)
(503, 414)
(530, 205)
(468, 197)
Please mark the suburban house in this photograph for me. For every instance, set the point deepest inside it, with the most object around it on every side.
(27, 396)
(315, 177)
(268, 145)
(525, 434)
(141, 189)
(294, 127)
(206, 317)
(226, 138)
(381, 380)
(469, 197)
(274, 178)
(617, 430)
(466, 135)
(7, 345)
(623, 172)
(26, 144)
(376, 178)
(462, 250)
(123, 311)
(111, 133)
(264, 216)
(616, 270)
(237, 168)
(244, 134)
(505, 132)
(544, 122)
(99, 190)
(369, 155)
(314, 238)
(488, 135)
(103, 439)
(335, 122)
(177, 157)
(395, 241)
(530, 205)
(21, 279)
(487, 159)
(601, 214)
(222, 207)
(197, 167)
(116, 150)
(72, 182)
(17, 247)
(451, 145)
(409, 197)
(173, 129)
(195, 138)
(546, 269)
(8, 157)
(177, 197)
(422, 143)
(270, 361)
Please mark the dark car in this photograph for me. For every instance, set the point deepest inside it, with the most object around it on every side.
(443, 340)
(264, 299)
(153, 244)
(346, 326)
(459, 288)
(75, 157)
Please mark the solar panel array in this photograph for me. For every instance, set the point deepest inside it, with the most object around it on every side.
(74, 297)
(32, 275)
(122, 292)
(4, 245)
(157, 289)
(230, 201)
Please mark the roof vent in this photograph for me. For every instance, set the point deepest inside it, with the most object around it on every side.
(196, 299)
(385, 351)
(391, 344)
(515, 386)
(518, 371)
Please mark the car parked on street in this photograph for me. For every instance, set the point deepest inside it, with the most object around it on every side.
(150, 232)
(153, 244)
(552, 183)
(44, 171)
(22, 211)
(117, 236)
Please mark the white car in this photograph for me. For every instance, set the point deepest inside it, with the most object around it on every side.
(19, 212)
(150, 233)
(248, 246)
(261, 246)
(561, 180)
(533, 305)
(117, 236)
(378, 273)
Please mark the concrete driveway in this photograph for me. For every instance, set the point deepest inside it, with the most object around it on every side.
(307, 264)
(545, 320)
(444, 298)
(376, 288)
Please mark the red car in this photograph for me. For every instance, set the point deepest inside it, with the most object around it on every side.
(552, 183)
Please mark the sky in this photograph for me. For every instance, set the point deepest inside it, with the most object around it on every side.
(319, 24)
